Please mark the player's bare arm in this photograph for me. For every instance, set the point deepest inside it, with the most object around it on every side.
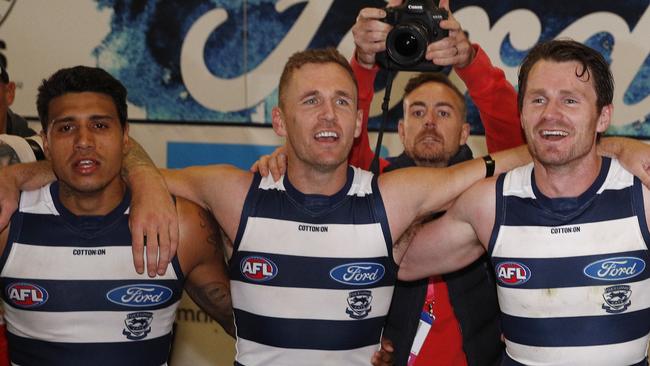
(221, 189)
(202, 259)
(17, 177)
(633, 154)
(415, 192)
(454, 240)
(153, 215)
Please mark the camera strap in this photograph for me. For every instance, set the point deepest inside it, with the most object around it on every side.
(374, 165)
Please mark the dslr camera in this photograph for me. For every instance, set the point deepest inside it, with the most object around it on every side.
(416, 23)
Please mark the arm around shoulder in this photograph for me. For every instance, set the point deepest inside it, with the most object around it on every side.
(221, 189)
(633, 154)
(454, 240)
(21, 177)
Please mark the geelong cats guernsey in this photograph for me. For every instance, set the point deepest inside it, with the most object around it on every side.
(572, 273)
(71, 294)
(311, 276)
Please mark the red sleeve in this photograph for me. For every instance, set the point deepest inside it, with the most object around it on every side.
(496, 101)
(361, 154)
(4, 347)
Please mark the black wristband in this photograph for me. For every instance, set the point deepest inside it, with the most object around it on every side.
(489, 166)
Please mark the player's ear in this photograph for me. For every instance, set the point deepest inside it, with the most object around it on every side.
(277, 118)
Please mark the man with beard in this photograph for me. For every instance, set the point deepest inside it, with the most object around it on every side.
(567, 234)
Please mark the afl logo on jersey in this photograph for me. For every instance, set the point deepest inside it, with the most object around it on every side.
(512, 273)
(358, 274)
(26, 295)
(614, 269)
(139, 295)
(258, 269)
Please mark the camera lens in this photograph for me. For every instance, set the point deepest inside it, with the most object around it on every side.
(407, 43)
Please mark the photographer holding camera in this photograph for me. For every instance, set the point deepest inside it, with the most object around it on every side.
(451, 319)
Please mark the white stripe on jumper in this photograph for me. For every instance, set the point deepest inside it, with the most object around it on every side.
(331, 304)
(325, 240)
(44, 262)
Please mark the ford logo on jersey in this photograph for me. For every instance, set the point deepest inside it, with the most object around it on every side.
(258, 269)
(358, 274)
(26, 295)
(512, 273)
(140, 295)
(614, 269)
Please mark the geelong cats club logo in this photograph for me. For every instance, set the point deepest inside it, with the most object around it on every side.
(137, 325)
(617, 298)
(359, 304)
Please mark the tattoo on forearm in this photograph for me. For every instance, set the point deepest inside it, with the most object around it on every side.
(133, 157)
(214, 299)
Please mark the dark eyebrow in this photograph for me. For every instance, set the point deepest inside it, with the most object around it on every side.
(93, 117)
(439, 104)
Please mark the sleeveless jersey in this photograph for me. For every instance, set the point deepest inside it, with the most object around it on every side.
(311, 276)
(572, 280)
(71, 294)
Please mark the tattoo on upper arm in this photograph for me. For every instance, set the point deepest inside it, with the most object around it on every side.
(216, 236)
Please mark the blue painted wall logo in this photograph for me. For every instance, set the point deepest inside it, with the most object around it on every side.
(358, 274)
(140, 295)
(26, 295)
(615, 269)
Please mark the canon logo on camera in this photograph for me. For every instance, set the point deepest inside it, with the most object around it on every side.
(415, 7)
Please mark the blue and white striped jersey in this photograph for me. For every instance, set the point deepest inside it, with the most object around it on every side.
(571, 272)
(311, 276)
(71, 294)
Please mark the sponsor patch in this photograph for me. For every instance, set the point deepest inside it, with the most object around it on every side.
(512, 273)
(140, 295)
(617, 298)
(615, 269)
(258, 269)
(359, 304)
(358, 274)
(26, 295)
(137, 325)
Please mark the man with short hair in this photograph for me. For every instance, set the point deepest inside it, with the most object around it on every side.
(71, 294)
(10, 123)
(300, 239)
(436, 320)
(567, 234)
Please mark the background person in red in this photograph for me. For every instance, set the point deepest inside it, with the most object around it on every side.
(435, 321)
